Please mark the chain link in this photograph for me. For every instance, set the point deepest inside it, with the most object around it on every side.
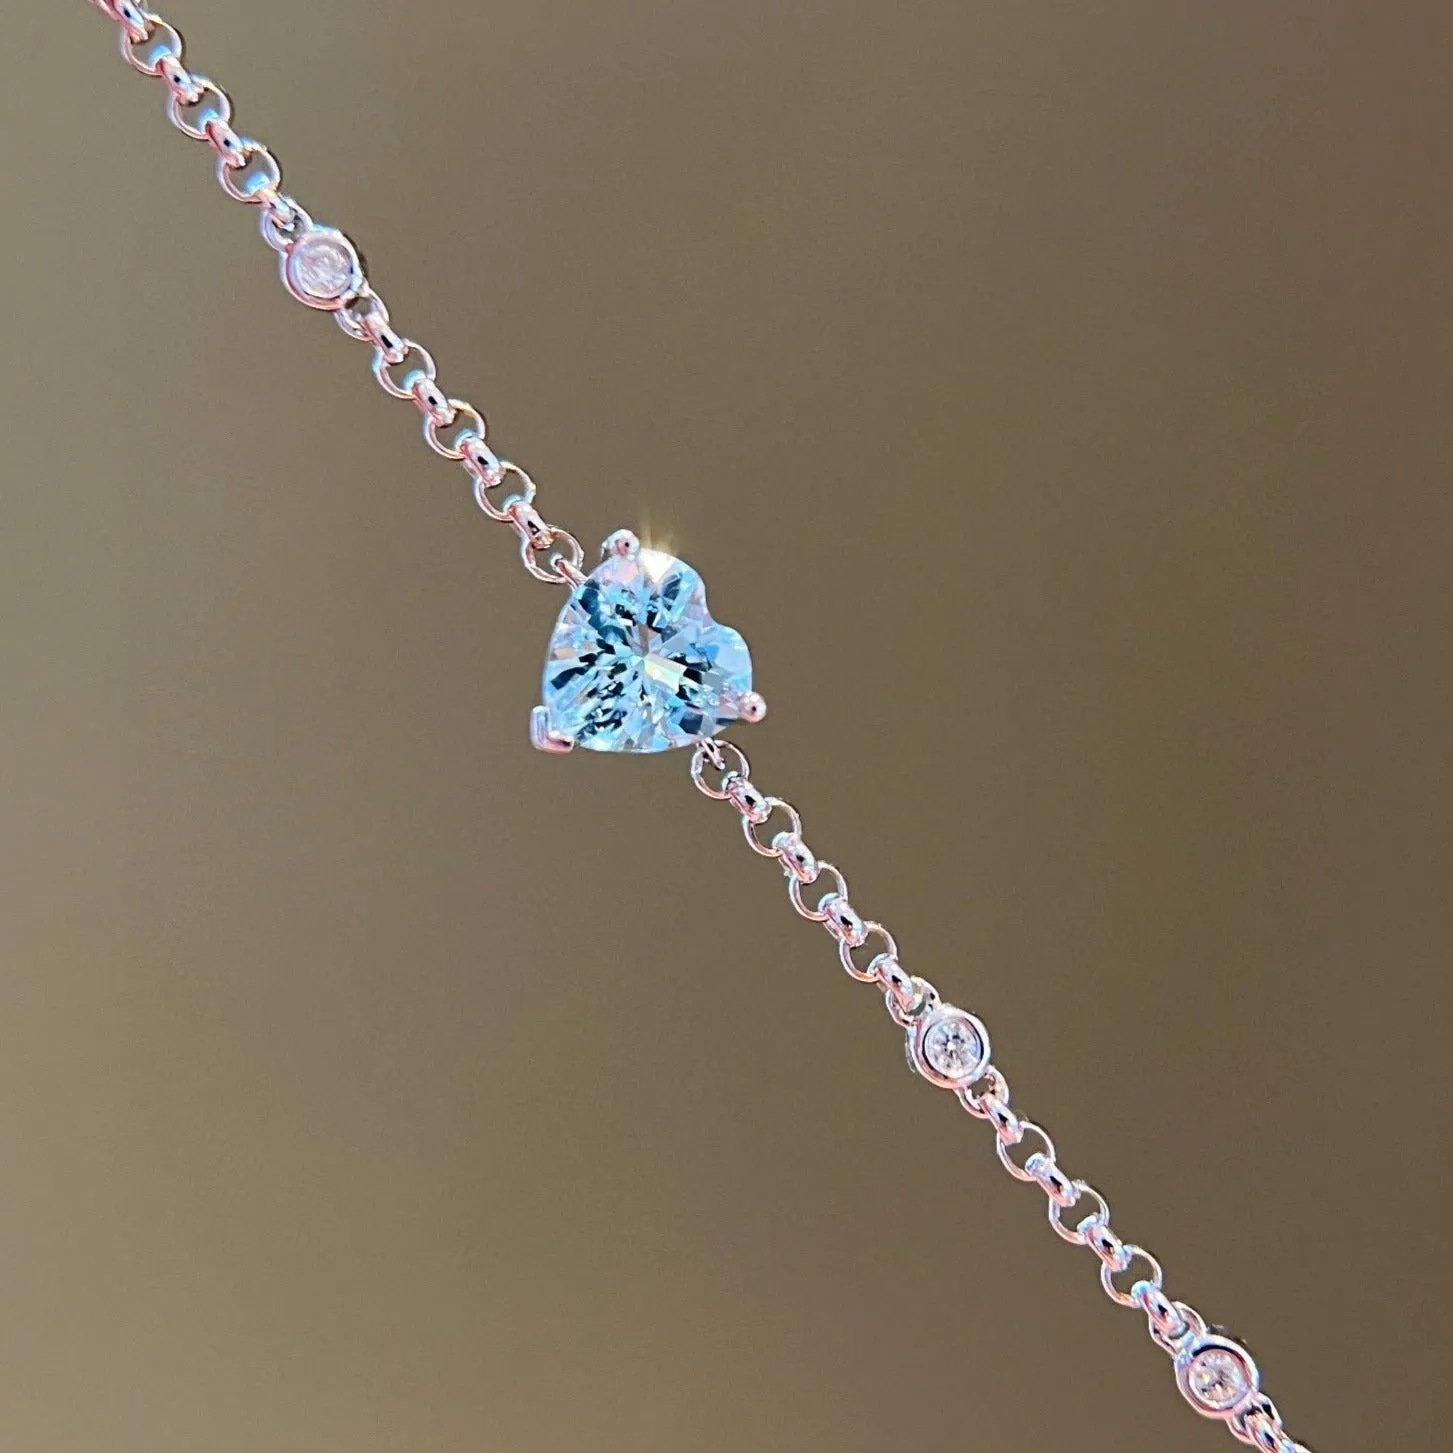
(248, 172)
(1215, 1374)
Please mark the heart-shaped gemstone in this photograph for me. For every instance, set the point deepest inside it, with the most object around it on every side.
(636, 663)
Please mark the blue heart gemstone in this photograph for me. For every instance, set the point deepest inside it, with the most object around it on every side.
(636, 663)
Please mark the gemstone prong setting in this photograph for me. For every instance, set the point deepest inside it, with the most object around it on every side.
(544, 739)
(622, 544)
(752, 707)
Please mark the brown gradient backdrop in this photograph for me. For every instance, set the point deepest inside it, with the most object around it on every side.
(1056, 396)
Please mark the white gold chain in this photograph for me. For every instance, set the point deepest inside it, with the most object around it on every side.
(1216, 1374)
(248, 172)
(945, 1045)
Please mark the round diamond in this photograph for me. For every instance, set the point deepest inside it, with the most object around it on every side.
(953, 1049)
(1218, 1378)
(323, 266)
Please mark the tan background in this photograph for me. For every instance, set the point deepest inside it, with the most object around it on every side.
(1057, 398)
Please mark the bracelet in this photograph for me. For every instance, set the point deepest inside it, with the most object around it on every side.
(637, 664)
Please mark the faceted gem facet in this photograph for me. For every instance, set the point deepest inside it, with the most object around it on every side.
(952, 1048)
(948, 1047)
(1218, 1378)
(637, 664)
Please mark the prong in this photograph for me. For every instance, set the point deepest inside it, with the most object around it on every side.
(752, 706)
(622, 544)
(545, 740)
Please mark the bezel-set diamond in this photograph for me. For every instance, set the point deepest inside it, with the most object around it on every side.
(949, 1047)
(322, 269)
(1216, 1376)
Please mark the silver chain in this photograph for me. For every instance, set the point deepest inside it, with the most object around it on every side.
(1216, 1374)
(248, 172)
(946, 1045)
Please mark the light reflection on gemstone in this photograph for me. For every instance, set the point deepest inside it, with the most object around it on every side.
(1218, 1379)
(953, 1048)
(656, 563)
(663, 672)
(948, 1047)
(637, 664)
